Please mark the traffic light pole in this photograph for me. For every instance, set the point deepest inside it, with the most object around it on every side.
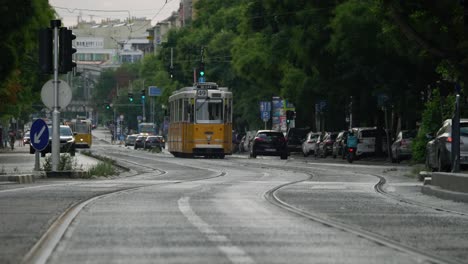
(55, 24)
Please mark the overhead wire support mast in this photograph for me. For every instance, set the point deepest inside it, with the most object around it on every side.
(55, 24)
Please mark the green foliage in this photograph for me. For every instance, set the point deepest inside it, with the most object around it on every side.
(20, 81)
(437, 110)
(66, 163)
(103, 169)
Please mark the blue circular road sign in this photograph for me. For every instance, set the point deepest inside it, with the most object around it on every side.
(39, 135)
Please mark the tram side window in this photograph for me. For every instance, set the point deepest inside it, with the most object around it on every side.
(227, 110)
(186, 112)
(179, 110)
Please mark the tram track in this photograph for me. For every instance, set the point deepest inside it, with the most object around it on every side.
(380, 188)
(422, 256)
(44, 247)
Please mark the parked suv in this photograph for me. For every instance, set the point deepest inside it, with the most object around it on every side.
(295, 138)
(439, 149)
(269, 143)
(67, 142)
(401, 147)
(366, 140)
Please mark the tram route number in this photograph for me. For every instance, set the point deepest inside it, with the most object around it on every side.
(202, 93)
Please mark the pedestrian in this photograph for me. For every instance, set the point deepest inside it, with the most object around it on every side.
(12, 137)
(20, 138)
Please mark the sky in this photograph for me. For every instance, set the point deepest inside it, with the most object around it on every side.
(97, 10)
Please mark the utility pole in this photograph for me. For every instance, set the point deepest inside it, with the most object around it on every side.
(55, 24)
(351, 112)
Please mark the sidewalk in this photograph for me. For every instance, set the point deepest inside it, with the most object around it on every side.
(17, 165)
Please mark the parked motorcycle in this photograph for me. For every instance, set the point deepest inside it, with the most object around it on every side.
(351, 154)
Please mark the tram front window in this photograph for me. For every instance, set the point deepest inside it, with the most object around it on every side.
(209, 111)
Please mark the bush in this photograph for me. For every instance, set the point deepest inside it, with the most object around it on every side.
(437, 110)
(103, 169)
(66, 163)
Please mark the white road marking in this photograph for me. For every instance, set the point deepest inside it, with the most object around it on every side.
(232, 252)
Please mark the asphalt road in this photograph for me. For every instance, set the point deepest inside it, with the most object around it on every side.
(236, 210)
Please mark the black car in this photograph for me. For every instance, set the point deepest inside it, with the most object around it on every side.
(269, 143)
(67, 142)
(139, 142)
(154, 141)
(295, 137)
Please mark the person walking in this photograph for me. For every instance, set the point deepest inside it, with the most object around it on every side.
(20, 138)
(12, 135)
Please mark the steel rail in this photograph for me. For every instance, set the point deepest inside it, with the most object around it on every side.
(45, 246)
(422, 256)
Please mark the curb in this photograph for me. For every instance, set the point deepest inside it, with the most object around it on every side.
(66, 174)
(444, 194)
(20, 179)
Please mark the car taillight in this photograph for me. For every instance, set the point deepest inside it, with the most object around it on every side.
(350, 149)
(403, 142)
(310, 142)
(258, 139)
(449, 139)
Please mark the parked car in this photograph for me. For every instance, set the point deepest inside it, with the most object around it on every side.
(295, 137)
(27, 138)
(67, 142)
(246, 141)
(439, 149)
(154, 141)
(339, 145)
(269, 143)
(366, 140)
(130, 140)
(326, 144)
(401, 147)
(139, 142)
(308, 145)
(317, 143)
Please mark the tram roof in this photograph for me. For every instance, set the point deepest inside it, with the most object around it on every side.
(211, 86)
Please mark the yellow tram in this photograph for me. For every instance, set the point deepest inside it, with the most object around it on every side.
(200, 121)
(82, 130)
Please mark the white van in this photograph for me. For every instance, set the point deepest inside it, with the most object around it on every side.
(366, 140)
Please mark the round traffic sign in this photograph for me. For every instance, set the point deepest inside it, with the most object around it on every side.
(39, 135)
(64, 94)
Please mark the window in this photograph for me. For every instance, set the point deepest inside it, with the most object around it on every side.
(209, 111)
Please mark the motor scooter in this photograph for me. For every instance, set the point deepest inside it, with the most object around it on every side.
(351, 154)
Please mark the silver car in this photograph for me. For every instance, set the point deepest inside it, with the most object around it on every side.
(401, 147)
(308, 145)
(439, 149)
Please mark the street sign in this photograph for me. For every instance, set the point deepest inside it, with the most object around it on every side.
(265, 116)
(154, 91)
(39, 135)
(201, 79)
(64, 94)
(265, 106)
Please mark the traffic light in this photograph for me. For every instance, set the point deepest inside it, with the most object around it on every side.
(171, 72)
(46, 51)
(290, 115)
(108, 106)
(143, 94)
(130, 97)
(201, 69)
(66, 50)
